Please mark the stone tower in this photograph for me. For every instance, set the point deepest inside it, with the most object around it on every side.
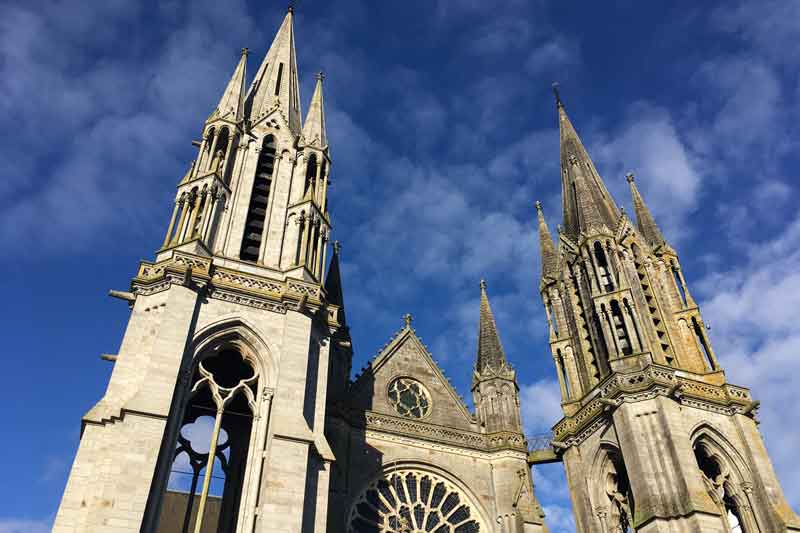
(214, 414)
(653, 437)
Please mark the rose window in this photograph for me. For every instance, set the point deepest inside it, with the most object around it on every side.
(409, 501)
(409, 397)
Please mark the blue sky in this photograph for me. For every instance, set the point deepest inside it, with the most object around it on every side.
(443, 133)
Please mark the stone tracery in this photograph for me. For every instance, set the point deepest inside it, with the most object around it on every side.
(413, 501)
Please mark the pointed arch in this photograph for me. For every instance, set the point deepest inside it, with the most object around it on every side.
(612, 496)
(259, 350)
(726, 476)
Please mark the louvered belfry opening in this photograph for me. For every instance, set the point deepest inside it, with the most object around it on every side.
(259, 200)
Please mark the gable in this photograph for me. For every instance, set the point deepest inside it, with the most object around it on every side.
(407, 359)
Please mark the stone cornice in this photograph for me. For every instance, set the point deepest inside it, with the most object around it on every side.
(233, 285)
(395, 425)
(654, 380)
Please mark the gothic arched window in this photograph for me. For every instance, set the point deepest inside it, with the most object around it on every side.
(616, 490)
(205, 479)
(720, 484)
(311, 173)
(605, 280)
(259, 202)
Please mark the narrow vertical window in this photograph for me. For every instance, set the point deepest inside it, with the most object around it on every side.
(620, 330)
(679, 284)
(311, 173)
(552, 316)
(602, 267)
(278, 81)
(259, 202)
(564, 376)
(702, 343)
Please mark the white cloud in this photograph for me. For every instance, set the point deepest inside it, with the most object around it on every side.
(649, 144)
(553, 57)
(541, 405)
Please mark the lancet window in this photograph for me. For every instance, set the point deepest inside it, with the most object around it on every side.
(311, 173)
(679, 283)
(562, 368)
(278, 81)
(702, 343)
(205, 481)
(259, 202)
(722, 487)
(604, 275)
(620, 329)
(616, 490)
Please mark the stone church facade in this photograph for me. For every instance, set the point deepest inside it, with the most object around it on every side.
(231, 409)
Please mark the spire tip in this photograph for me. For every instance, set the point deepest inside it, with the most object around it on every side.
(555, 87)
(483, 284)
(407, 318)
(538, 205)
(320, 76)
(629, 177)
(245, 51)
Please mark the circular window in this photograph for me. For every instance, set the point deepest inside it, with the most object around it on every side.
(409, 397)
(410, 501)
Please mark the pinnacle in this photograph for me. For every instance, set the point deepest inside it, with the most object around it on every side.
(490, 350)
(546, 247)
(644, 218)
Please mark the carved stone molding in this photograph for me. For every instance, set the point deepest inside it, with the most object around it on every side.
(645, 384)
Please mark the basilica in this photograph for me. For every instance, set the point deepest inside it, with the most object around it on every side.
(232, 406)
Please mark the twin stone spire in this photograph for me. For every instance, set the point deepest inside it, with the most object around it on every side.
(274, 87)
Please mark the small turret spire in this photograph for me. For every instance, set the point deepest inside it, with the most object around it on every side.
(490, 351)
(587, 202)
(314, 131)
(276, 82)
(644, 218)
(231, 105)
(546, 247)
(333, 282)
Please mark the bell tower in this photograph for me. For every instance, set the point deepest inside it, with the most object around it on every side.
(213, 419)
(654, 438)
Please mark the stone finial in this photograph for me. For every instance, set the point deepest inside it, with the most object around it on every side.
(290, 7)
(337, 247)
(538, 205)
(320, 76)
(555, 87)
(407, 318)
(245, 51)
(483, 284)
(629, 177)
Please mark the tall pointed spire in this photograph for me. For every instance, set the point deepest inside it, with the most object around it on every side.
(587, 202)
(546, 247)
(276, 82)
(333, 283)
(490, 351)
(314, 130)
(231, 105)
(644, 218)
